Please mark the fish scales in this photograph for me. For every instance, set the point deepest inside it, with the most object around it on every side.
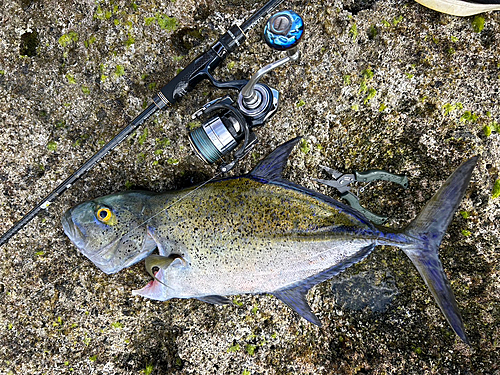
(257, 233)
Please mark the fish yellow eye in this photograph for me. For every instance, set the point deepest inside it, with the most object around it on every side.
(106, 216)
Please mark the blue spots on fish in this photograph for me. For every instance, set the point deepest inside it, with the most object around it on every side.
(270, 170)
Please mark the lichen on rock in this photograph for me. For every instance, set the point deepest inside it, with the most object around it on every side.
(380, 84)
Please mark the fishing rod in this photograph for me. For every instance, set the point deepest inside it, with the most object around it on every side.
(232, 125)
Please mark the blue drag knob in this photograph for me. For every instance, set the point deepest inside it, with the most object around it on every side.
(283, 30)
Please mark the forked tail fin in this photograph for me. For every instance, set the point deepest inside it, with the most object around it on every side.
(428, 229)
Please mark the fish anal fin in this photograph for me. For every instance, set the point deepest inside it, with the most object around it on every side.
(295, 295)
(271, 167)
(338, 268)
(295, 298)
(215, 300)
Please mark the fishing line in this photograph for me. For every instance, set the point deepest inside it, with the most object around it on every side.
(174, 202)
(52, 283)
(165, 209)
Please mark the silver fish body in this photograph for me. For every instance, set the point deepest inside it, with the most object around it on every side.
(255, 234)
(247, 236)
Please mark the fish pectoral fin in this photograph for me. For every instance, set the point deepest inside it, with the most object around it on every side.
(295, 298)
(160, 261)
(215, 300)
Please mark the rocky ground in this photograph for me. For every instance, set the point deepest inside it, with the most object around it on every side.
(381, 84)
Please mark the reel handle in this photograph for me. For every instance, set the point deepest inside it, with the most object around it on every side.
(283, 31)
(232, 125)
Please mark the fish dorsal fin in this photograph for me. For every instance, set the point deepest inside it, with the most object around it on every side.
(295, 298)
(272, 166)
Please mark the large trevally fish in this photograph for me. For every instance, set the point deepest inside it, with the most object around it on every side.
(257, 233)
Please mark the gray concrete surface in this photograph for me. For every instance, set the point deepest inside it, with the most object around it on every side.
(381, 84)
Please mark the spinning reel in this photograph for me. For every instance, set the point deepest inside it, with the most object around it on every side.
(232, 121)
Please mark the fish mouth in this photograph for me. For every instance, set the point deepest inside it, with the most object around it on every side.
(77, 236)
(73, 232)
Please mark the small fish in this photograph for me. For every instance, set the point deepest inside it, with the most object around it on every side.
(257, 233)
